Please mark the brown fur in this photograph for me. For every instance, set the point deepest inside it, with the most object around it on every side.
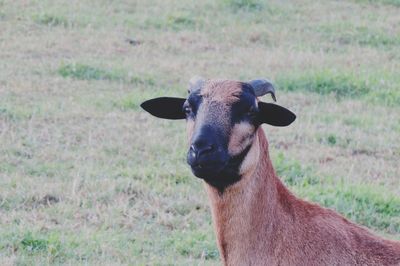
(225, 91)
(258, 221)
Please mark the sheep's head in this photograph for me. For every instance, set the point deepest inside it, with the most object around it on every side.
(222, 118)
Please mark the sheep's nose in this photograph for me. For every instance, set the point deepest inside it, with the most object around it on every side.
(200, 148)
(205, 149)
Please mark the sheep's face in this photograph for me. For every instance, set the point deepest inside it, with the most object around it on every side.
(221, 124)
(222, 119)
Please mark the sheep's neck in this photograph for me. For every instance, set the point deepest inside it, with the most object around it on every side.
(250, 214)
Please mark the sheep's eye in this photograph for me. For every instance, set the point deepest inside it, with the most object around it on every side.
(252, 112)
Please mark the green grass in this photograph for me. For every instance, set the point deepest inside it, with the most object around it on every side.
(51, 20)
(348, 34)
(248, 5)
(180, 21)
(33, 245)
(195, 244)
(340, 85)
(14, 113)
(88, 178)
(395, 3)
(87, 72)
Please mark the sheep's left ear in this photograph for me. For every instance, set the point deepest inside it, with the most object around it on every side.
(275, 115)
(165, 107)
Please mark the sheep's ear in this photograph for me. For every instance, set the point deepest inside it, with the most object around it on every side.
(165, 107)
(275, 115)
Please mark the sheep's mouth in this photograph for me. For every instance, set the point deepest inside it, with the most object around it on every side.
(220, 173)
(219, 176)
(208, 170)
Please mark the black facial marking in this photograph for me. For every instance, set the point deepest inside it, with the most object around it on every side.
(192, 104)
(245, 109)
(230, 175)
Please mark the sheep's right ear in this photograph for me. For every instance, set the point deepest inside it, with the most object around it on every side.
(165, 107)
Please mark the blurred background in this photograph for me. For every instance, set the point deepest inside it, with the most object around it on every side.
(87, 178)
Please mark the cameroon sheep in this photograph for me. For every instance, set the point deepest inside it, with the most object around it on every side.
(257, 220)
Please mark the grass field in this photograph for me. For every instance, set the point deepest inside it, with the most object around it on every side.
(87, 178)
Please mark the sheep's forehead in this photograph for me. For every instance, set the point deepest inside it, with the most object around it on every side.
(224, 91)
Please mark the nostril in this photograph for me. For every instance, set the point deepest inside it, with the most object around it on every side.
(209, 148)
(205, 149)
(193, 151)
(198, 150)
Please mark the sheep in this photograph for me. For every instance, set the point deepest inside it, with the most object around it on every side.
(257, 220)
